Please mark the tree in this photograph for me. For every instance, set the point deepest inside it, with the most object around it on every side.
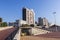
(32, 25)
(25, 25)
(0, 19)
(3, 24)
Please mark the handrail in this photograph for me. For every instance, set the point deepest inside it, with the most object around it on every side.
(11, 36)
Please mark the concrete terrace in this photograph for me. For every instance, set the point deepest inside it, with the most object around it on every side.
(34, 30)
(43, 36)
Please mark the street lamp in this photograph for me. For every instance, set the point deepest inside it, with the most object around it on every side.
(54, 13)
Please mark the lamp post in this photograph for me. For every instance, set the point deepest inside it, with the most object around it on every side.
(54, 13)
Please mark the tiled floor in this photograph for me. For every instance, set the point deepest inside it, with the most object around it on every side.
(5, 33)
(36, 38)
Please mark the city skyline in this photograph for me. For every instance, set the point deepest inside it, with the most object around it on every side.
(10, 10)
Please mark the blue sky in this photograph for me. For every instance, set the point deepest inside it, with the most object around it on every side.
(10, 10)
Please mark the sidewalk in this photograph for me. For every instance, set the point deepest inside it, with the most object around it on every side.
(5, 33)
(37, 38)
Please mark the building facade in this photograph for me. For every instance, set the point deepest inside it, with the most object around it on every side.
(43, 22)
(21, 22)
(40, 21)
(28, 15)
(11, 24)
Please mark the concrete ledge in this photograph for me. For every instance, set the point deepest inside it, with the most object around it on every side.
(3, 28)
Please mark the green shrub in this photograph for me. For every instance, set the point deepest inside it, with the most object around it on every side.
(3, 24)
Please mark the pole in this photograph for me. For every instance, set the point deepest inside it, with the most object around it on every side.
(55, 18)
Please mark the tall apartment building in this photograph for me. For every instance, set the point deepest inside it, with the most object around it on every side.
(28, 15)
(43, 22)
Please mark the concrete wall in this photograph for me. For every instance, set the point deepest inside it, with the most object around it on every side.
(3, 28)
(36, 31)
(17, 36)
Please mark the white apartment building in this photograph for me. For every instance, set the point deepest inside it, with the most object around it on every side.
(28, 15)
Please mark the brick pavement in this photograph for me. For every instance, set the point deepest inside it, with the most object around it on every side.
(36, 38)
(48, 36)
(5, 33)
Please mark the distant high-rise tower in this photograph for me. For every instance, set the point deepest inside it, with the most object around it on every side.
(40, 21)
(43, 22)
(28, 15)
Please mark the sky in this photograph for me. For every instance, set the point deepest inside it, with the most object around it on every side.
(11, 10)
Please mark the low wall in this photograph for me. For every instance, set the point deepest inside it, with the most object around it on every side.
(3, 28)
(36, 31)
(17, 36)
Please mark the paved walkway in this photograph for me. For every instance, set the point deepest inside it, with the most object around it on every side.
(5, 33)
(50, 35)
(36, 38)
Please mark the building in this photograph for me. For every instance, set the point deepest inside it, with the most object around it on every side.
(28, 15)
(17, 23)
(36, 23)
(20, 22)
(40, 21)
(43, 22)
(11, 23)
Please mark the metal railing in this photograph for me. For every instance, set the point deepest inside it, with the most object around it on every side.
(11, 36)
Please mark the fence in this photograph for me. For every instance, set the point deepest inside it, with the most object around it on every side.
(11, 36)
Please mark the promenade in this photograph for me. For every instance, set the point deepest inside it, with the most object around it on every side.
(36, 38)
(7, 33)
(48, 36)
